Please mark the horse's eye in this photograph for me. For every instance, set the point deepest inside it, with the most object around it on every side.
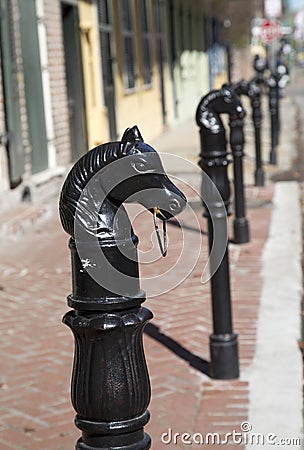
(140, 166)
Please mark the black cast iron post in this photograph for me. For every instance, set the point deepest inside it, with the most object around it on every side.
(256, 89)
(237, 140)
(214, 163)
(255, 98)
(110, 383)
(229, 62)
(273, 109)
(253, 90)
(260, 65)
(281, 79)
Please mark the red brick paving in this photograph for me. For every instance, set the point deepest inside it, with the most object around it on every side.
(36, 349)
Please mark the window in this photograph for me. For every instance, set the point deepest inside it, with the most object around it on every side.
(105, 33)
(146, 41)
(128, 41)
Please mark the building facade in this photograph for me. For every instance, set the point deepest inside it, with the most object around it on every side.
(76, 73)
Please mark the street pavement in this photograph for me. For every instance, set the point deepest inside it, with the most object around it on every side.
(263, 406)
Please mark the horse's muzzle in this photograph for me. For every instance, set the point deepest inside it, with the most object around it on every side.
(175, 206)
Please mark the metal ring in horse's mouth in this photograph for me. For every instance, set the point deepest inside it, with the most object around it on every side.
(163, 246)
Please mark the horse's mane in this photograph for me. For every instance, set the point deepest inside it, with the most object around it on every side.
(241, 87)
(210, 97)
(82, 172)
(207, 111)
(88, 166)
(203, 113)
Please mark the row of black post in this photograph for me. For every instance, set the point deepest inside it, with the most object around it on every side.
(214, 161)
(110, 382)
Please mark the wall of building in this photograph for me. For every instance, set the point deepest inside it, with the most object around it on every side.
(54, 99)
(177, 81)
(96, 112)
(58, 90)
(187, 59)
(140, 105)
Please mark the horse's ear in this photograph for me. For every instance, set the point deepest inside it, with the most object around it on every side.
(132, 135)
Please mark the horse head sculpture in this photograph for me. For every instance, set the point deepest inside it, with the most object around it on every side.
(91, 203)
(249, 88)
(213, 154)
(124, 171)
(222, 101)
(242, 87)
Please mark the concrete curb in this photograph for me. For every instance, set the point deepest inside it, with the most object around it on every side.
(276, 373)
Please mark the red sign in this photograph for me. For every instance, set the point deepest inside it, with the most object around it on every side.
(270, 31)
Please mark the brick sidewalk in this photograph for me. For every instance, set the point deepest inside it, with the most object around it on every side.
(36, 349)
(183, 397)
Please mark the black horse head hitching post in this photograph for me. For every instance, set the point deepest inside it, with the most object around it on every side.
(276, 82)
(214, 162)
(253, 89)
(227, 101)
(110, 382)
(237, 141)
(273, 84)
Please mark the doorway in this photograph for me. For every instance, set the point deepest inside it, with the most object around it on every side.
(74, 78)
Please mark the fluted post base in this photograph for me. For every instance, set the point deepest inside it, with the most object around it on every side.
(110, 383)
(126, 435)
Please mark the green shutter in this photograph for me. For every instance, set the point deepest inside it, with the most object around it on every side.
(33, 85)
(11, 94)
